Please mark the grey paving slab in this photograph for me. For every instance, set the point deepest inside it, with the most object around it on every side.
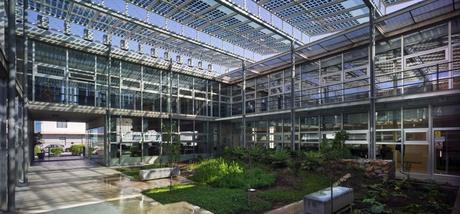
(76, 186)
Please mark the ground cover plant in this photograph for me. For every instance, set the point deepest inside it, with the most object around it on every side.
(221, 186)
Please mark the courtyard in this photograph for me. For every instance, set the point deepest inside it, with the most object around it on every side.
(229, 106)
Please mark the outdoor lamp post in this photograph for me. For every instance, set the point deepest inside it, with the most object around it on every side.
(250, 194)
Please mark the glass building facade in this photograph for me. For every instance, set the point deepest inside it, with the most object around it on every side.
(204, 115)
(138, 105)
(395, 91)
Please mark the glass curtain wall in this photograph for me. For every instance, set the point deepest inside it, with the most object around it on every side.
(446, 139)
(416, 62)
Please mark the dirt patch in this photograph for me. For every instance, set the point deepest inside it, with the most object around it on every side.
(286, 178)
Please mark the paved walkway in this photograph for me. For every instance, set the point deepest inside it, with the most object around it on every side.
(78, 186)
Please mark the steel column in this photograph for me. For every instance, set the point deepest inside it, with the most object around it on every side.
(3, 146)
(12, 111)
(371, 149)
(243, 115)
(170, 102)
(26, 143)
(292, 97)
(108, 106)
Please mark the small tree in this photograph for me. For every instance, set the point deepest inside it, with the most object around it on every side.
(339, 139)
(171, 148)
(335, 149)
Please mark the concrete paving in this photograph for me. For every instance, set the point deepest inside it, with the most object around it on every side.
(79, 186)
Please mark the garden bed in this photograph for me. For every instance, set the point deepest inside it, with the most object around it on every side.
(276, 187)
(280, 178)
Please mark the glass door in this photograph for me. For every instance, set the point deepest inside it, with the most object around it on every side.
(415, 151)
(447, 151)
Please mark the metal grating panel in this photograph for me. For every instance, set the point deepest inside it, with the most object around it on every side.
(315, 17)
(219, 20)
(108, 21)
(387, 25)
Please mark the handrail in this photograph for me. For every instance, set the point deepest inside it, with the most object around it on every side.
(340, 95)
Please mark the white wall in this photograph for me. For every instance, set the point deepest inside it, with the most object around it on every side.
(58, 139)
(51, 134)
(50, 127)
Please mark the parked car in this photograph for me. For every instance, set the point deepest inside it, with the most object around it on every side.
(49, 146)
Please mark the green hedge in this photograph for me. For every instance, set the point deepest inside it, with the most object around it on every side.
(56, 151)
(77, 149)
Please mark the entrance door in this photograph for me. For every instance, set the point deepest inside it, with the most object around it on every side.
(415, 151)
(447, 152)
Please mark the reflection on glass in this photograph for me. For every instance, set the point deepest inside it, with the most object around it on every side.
(355, 121)
(388, 136)
(415, 158)
(358, 150)
(389, 152)
(447, 152)
(331, 122)
(446, 116)
(416, 118)
(388, 119)
(415, 136)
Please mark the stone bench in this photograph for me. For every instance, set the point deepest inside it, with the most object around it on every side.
(150, 174)
(320, 202)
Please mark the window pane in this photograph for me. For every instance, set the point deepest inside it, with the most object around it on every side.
(416, 136)
(388, 119)
(446, 116)
(415, 118)
(355, 121)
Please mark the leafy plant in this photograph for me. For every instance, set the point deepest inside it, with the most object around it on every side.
(77, 149)
(335, 149)
(279, 159)
(221, 173)
(212, 170)
(56, 151)
(312, 160)
(375, 206)
(172, 145)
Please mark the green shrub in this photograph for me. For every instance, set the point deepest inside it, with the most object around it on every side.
(77, 149)
(335, 149)
(255, 153)
(279, 159)
(211, 170)
(251, 178)
(221, 173)
(259, 178)
(56, 151)
(312, 160)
